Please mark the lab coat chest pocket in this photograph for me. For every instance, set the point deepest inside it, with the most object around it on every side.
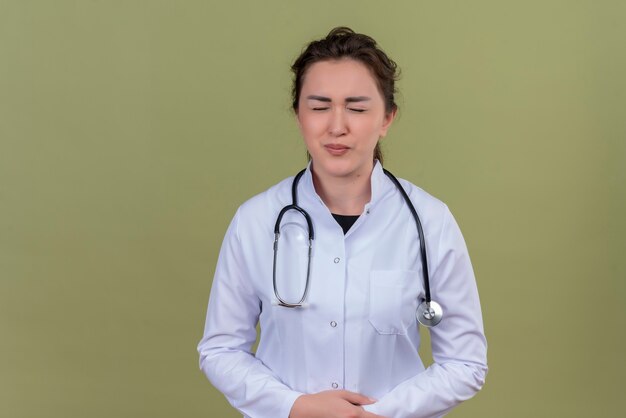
(393, 298)
(288, 322)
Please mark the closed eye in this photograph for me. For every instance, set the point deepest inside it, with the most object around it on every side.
(357, 110)
(320, 108)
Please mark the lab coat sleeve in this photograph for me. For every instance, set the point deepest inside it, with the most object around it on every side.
(458, 343)
(230, 332)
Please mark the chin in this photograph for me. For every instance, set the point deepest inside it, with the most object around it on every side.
(336, 167)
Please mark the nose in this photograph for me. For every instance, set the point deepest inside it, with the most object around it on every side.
(338, 126)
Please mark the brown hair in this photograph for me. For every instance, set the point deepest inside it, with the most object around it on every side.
(342, 42)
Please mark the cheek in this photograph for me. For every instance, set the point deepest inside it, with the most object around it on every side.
(368, 127)
(310, 125)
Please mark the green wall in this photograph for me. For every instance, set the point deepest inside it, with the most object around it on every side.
(131, 130)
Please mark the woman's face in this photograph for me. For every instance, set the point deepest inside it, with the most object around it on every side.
(341, 114)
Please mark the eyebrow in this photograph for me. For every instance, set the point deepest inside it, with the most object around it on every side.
(352, 99)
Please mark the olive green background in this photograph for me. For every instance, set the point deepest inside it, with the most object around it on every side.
(130, 131)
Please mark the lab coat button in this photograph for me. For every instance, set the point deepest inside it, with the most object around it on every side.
(336, 260)
(335, 385)
(333, 324)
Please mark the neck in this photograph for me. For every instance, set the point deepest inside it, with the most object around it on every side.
(344, 195)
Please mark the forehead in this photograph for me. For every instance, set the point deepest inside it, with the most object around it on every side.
(344, 77)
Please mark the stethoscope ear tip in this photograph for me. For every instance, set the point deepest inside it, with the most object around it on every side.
(276, 302)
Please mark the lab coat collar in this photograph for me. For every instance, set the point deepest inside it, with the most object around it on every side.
(379, 184)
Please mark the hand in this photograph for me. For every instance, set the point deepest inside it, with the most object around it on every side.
(332, 404)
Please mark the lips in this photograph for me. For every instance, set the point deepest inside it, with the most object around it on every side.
(336, 149)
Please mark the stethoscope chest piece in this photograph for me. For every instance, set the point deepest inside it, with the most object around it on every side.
(429, 314)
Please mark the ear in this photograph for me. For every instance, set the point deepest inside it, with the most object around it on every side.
(296, 116)
(387, 120)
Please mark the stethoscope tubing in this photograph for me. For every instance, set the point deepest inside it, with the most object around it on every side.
(311, 230)
(420, 233)
(429, 312)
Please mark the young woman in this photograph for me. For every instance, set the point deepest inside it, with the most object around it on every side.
(337, 270)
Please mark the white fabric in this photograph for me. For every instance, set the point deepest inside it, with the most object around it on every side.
(366, 283)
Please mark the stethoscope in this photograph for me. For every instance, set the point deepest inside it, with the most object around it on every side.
(429, 312)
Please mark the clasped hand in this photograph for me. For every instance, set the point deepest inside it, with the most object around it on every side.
(332, 404)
